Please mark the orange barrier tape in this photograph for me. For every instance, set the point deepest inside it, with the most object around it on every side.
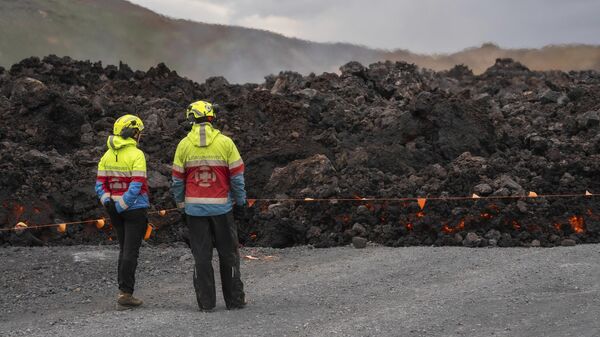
(475, 196)
(21, 226)
(62, 227)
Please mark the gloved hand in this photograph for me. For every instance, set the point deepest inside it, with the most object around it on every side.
(239, 211)
(183, 217)
(110, 206)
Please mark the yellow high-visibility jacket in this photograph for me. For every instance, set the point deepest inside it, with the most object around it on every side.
(208, 172)
(122, 175)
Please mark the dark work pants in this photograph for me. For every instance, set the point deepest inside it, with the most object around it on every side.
(221, 232)
(130, 227)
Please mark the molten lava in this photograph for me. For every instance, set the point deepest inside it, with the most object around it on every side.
(486, 216)
(577, 224)
(446, 229)
(459, 227)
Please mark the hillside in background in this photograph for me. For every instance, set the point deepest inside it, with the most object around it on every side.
(557, 57)
(116, 30)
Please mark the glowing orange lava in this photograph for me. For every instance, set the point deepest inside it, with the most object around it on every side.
(461, 225)
(486, 216)
(446, 229)
(577, 224)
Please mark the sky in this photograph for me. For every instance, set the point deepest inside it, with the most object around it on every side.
(423, 26)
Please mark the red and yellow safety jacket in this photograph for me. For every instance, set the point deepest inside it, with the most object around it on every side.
(122, 175)
(208, 172)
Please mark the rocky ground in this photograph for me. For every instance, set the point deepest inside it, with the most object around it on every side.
(386, 130)
(301, 291)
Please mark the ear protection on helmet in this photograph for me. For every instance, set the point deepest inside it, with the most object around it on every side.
(129, 131)
(216, 108)
(189, 122)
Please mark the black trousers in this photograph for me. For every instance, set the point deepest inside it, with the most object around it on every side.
(130, 227)
(218, 231)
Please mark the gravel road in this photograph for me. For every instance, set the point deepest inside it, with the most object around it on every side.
(377, 291)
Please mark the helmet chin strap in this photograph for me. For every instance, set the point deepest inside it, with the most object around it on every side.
(189, 123)
(191, 120)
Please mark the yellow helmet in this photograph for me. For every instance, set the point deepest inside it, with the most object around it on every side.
(200, 109)
(126, 125)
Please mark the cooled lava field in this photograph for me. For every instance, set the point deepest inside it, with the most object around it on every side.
(341, 156)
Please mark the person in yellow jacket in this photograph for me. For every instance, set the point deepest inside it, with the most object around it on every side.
(208, 178)
(123, 190)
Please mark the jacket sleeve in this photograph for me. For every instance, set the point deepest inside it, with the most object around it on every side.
(236, 175)
(138, 178)
(102, 189)
(178, 176)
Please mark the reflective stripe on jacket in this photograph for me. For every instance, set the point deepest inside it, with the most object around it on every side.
(208, 172)
(122, 175)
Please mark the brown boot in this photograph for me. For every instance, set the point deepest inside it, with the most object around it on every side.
(127, 301)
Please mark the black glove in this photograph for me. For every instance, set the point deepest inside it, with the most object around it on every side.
(183, 217)
(239, 212)
(110, 206)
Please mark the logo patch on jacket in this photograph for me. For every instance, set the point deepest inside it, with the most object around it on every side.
(204, 176)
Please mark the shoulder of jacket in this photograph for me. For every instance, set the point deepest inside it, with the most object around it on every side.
(225, 139)
(137, 152)
(108, 154)
(103, 158)
(184, 142)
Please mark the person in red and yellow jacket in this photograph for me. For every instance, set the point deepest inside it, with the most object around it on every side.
(123, 190)
(208, 178)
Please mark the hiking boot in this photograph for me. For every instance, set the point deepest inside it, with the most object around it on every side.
(237, 306)
(127, 301)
